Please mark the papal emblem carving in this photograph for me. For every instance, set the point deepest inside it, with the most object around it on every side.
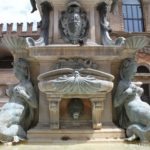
(73, 23)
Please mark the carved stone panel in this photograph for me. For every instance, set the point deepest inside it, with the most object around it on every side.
(75, 63)
(54, 112)
(96, 112)
(73, 23)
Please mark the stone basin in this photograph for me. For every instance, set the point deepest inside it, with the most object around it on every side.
(69, 81)
(70, 84)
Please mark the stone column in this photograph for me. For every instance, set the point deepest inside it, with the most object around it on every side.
(97, 107)
(146, 9)
(54, 112)
(56, 21)
(43, 103)
(92, 24)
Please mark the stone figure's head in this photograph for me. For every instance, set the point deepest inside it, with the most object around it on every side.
(21, 69)
(102, 8)
(128, 69)
(46, 7)
(75, 108)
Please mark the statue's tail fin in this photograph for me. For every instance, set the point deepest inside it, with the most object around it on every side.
(139, 131)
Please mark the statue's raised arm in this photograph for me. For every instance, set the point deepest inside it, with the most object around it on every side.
(33, 4)
(114, 7)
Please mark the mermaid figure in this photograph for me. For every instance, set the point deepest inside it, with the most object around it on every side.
(18, 115)
(134, 113)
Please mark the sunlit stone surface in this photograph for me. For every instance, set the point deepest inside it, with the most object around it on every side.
(79, 146)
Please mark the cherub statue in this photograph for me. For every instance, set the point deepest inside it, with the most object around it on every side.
(104, 24)
(105, 29)
(17, 116)
(46, 8)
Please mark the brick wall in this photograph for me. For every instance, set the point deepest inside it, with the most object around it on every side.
(20, 29)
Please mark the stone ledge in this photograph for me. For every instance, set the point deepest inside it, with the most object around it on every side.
(45, 135)
(64, 2)
(98, 52)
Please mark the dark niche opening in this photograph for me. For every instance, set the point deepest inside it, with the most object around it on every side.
(142, 69)
(6, 62)
(75, 113)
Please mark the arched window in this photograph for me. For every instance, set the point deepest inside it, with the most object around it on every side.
(142, 69)
(146, 94)
(132, 15)
(6, 59)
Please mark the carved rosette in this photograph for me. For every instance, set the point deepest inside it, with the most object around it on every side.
(73, 23)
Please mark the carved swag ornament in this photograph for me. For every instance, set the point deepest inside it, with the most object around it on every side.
(73, 23)
(75, 63)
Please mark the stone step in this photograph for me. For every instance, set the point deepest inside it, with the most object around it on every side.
(45, 135)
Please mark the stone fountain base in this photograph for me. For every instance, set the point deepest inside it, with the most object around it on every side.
(107, 59)
(45, 135)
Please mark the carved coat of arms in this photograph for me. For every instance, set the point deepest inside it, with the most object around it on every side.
(73, 24)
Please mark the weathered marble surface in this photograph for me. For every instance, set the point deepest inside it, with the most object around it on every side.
(17, 116)
(77, 84)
